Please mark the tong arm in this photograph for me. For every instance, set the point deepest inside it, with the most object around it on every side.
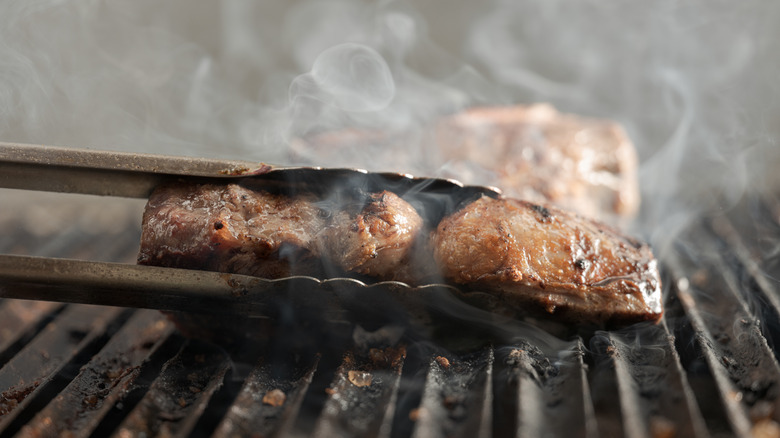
(123, 174)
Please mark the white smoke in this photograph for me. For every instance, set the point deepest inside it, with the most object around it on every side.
(694, 83)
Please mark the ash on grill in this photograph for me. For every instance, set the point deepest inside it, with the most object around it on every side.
(710, 368)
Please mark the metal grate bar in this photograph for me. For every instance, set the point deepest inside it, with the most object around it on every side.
(453, 399)
(259, 409)
(654, 393)
(179, 395)
(727, 327)
(727, 391)
(486, 416)
(605, 389)
(35, 365)
(748, 259)
(530, 395)
(726, 250)
(634, 424)
(361, 397)
(552, 398)
(766, 228)
(581, 386)
(18, 318)
(80, 407)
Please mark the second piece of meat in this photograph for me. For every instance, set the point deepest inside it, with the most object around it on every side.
(549, 261)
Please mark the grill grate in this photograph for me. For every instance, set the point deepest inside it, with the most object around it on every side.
(709, 369)
(81, 405)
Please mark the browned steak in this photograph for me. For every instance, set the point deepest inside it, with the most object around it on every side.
(237, 230)
(228, 228)
(375, 240)
(540, 155)
(530, 152)
(539, 259)
(550, 261)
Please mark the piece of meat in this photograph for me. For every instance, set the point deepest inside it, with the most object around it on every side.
(541, 155)
(375, 240)
(549, 261)
(529, 256)
(228, 228)
(232, 229)
(530, 152)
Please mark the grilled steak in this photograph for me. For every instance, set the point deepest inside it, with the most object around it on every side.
(530, 152)
(374, 240)
(228, 228)
(237, 230)
(550, 261)
(540, 155)
(539, 259)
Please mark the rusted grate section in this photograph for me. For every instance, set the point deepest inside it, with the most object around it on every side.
(727, 285)
(30, 371)
(457, 394)
(80, 406)
(725, 315)
(270, 400)
(655, 399)
(362, 396)
(179, 395)
(19, 321)
(755, 249)
(535, 395)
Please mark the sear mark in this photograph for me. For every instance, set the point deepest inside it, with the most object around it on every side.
(581, 264)
(544, 214)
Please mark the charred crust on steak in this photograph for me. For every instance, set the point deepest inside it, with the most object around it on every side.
(377, 240)
(544, 213)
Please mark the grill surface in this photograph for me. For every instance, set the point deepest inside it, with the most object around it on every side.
(710, 368)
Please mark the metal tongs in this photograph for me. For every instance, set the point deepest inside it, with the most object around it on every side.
(134, 175)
